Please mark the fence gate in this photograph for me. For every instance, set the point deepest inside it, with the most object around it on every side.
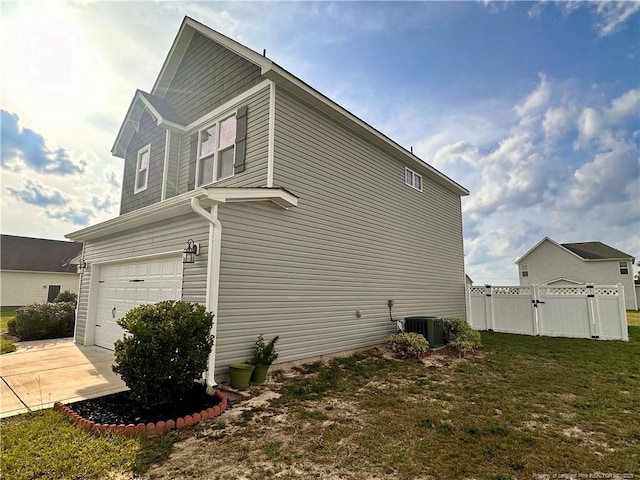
(584, 311)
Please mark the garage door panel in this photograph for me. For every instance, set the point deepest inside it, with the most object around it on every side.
(125, 286)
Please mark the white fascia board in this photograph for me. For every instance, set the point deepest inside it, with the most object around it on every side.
(226, 107)
(129, 123)
(181, 205)
(348, 119)
(178, 49)
(231, 195)
(174, 57)
(138, 218)
(553, 242)
(564, 279)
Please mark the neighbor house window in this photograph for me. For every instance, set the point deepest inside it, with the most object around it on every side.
(525, 270)
(142, 169)
(624, 268)
(413, 179)
(216, 151)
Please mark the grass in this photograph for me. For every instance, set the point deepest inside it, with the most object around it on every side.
(6, 345)
(525, 406)
(46, 445)
(633, 318)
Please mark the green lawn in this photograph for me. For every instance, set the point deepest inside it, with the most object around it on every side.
(6, 346)
(633, 318)
(525, 406)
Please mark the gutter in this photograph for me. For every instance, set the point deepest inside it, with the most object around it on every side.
(213, 279)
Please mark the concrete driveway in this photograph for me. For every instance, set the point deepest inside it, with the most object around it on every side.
(43, 372)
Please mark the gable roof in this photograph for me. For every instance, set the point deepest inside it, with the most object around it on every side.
(585, 250)
(38, 254)
(595, 251)
(271, 71)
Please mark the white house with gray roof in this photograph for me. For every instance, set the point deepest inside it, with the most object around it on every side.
(552, 263)
(308, 220)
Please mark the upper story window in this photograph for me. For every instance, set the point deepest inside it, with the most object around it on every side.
(142, 169)
(216, 151)
(624, 268)
(413, 179)
(524, 269)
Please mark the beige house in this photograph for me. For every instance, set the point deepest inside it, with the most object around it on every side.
(552, 263)
(308, 222)
(36, 269)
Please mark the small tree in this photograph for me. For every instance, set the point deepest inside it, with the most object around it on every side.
(165, 348)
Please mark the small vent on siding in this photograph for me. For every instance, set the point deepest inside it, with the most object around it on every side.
(136, 280)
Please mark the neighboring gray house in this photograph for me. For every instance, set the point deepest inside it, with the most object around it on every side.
(36, 269)
(552, 263)
(308, 220)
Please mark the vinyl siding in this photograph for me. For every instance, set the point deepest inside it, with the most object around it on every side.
(149, 133)
(20, 288)
(358, 238)
(255, 174)
(208, 76)
(549, 261)
(155, 239)
(175, 144)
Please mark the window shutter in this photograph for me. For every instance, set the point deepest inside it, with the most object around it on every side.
(241, 139)
(193, 157)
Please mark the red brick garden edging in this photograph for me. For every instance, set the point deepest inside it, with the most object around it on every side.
(151, 428)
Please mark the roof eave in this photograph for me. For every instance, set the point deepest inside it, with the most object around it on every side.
(301, 89)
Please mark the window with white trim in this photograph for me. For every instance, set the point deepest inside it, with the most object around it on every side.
(413, 179)
(142, 169)
(624, 268)
(216, 151)
(524, 269)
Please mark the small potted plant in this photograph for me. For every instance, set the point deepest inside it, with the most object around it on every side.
(263, 356)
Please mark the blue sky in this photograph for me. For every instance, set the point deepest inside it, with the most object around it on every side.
(534, 107)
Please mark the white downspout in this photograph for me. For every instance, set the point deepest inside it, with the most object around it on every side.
(213, 279)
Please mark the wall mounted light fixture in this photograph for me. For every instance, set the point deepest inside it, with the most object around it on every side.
(189, 254)
(82, 266)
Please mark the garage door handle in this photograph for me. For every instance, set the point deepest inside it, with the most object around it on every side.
(113, 312)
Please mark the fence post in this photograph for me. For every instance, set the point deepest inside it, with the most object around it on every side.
(623, 313)
(537, 328)
(467, 303)
(488, 307)
(592, 312)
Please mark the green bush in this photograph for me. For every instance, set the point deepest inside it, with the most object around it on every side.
(461, 336)
(408, 345)
(66, 296)
(264, 354)
(11, 327)
(44, 320)
(165, 348)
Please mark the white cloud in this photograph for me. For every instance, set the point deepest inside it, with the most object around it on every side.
(590, 126)
(626, 105)
(611, 15)
(537, 99)
(558, 121)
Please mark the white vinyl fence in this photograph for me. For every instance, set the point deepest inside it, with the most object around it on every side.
(584, 311)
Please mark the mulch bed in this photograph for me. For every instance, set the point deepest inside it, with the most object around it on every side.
(120, 408)
(120, 413)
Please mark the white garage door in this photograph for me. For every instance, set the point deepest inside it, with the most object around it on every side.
(126, 285)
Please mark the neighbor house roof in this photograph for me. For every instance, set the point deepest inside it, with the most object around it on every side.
(595, 251)
(271, 71)
(37, 254)
(585, 250)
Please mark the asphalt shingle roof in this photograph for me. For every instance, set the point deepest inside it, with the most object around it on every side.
(37, 254)
(595, 251)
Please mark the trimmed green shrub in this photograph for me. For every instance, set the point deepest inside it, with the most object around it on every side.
(165, 348)
(408, 345)
(66, 296)
(44, 320)
(461, 336)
